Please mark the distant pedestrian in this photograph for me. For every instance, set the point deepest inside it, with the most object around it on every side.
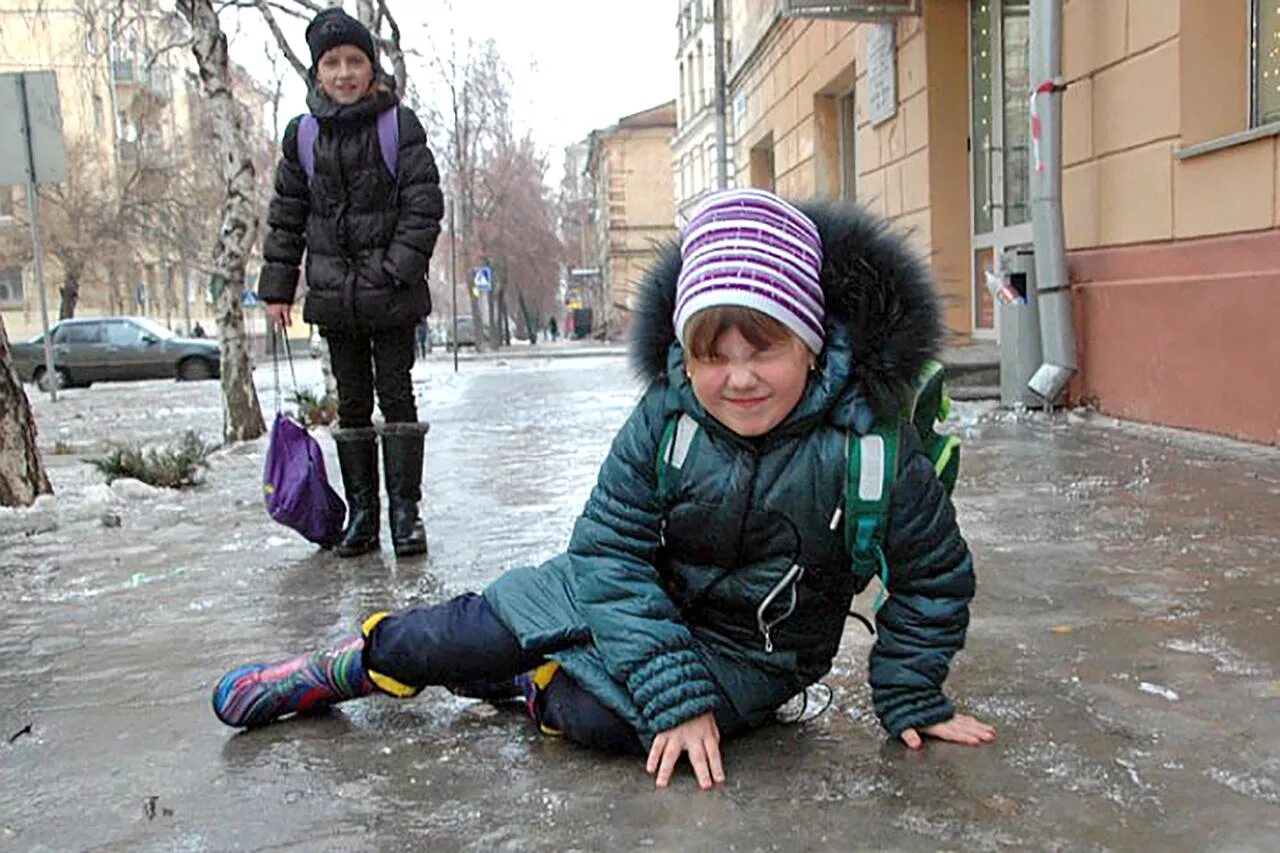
(197, 331)
(552, 329)
(357, 190)
(424, 338)
(708, 578)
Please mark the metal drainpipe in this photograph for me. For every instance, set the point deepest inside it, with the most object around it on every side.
(1057, 335)
(722, 145)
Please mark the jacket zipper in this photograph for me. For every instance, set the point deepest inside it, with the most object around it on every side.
(792, 579)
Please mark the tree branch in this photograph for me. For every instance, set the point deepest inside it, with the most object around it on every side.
(264, 7)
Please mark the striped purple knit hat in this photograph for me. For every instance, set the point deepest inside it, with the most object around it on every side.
(750, 248)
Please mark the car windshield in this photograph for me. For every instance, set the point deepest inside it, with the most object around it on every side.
(151, 327)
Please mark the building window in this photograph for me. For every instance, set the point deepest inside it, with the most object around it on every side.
(11, 294)
(702, 82)
(682, 113)
(763, 175)
(848, 119)
(1265, 44)
(6, 202)
(690, 104)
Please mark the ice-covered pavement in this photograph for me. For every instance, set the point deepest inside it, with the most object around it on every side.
(1125, 641)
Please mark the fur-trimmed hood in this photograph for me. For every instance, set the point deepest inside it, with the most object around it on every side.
(883, 319)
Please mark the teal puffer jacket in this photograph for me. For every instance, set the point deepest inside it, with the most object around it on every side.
(731, 594)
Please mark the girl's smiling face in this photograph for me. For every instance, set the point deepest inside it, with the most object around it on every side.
(749, 385)
(345, 74)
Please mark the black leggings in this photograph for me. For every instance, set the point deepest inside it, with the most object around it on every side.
(365, 362)
(462, 642)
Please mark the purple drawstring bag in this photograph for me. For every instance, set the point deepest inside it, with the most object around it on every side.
(296, 486)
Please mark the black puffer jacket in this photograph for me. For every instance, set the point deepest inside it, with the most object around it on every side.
(368, 236)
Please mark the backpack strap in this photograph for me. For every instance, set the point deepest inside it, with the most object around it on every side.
(308, 133)
(872, 470)
(678, 438)
(930, 406)
(388, 141)
(389, 138)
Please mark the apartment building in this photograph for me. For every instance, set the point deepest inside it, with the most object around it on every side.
(921, 110)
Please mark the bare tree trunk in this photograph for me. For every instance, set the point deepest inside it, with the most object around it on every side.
(69, 295)
(186, 294)
(242, 416)
(170, 298)
(531, 320)
(114, 299)
(22, 475)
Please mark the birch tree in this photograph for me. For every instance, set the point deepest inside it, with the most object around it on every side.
(22, 474)
(242, 415)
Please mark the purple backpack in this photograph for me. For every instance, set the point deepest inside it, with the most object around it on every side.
(388, 141)
(295, 484)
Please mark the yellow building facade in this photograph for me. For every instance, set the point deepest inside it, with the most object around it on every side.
(1170, 184)
(629, 166)
(131, 117)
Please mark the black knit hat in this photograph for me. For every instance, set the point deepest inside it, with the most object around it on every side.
(333, 27)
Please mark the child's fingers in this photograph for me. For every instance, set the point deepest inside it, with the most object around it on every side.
(698, 760)
(670, 755)
(713, 758)
(911, 739)
(976, 728)
(655, 753)
(962, 729)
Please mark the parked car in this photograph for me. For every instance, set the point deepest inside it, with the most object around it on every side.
(466, 332)
(104, 349)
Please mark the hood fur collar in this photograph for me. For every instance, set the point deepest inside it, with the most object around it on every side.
(878, 291)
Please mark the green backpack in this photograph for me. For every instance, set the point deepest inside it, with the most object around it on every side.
(872, 466)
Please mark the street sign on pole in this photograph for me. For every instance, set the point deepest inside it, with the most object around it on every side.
(482, 280)
(31, 121)
(45, 120)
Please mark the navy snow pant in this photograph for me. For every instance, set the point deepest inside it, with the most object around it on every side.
(462, 644)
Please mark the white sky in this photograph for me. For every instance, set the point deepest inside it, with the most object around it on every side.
(577, 65)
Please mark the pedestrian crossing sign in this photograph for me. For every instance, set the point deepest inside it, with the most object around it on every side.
(482, 280)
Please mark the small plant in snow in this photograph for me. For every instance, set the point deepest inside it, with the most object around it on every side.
(316, 411)
(173, 467)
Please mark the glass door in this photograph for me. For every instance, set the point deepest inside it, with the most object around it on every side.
(999, 142)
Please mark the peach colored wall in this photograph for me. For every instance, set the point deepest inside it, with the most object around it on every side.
(1146, 78)
(1183, 333)
(912, 169)
(1173, 261)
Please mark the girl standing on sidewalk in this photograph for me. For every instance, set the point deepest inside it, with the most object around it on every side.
(679, 616)
(357, 190)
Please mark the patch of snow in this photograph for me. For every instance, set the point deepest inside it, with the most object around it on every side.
(129, 489)
(1157, 690)
(1257, 787)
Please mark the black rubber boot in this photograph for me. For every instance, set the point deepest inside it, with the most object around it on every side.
(402, 450)
(358, 459)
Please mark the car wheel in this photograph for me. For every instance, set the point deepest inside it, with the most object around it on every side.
(194, 370)
(62, 379)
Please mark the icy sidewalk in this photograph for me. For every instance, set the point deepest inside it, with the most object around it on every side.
(1124, 641)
